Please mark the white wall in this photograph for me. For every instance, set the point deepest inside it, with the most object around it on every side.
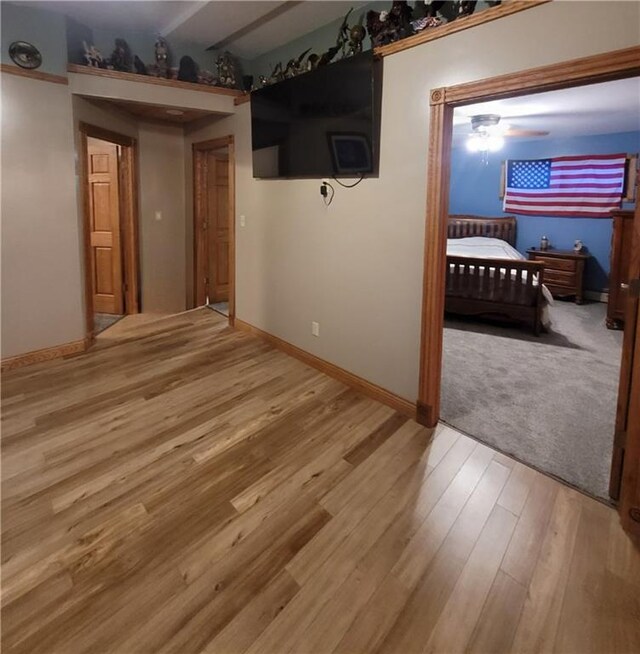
(356, 267)
(42, 213)
(162, 184)
(41, 258)
(161, 188)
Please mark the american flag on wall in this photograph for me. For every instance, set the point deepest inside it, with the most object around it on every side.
(578, 186)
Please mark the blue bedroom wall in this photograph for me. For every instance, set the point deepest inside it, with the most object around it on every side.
(475, 189)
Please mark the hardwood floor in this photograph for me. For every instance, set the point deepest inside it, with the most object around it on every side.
(187, 488)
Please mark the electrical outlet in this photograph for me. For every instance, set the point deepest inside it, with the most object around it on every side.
(315, 328)
(243, 220)
(158, 215)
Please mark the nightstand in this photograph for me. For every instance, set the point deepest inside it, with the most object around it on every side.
(563, 271)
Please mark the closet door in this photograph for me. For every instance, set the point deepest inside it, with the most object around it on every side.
(104, 226)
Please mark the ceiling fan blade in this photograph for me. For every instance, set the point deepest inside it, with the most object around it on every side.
(524, 132)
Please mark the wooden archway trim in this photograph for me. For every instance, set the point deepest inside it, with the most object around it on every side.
(588, 70)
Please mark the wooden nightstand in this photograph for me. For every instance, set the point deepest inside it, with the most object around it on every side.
(563, 271)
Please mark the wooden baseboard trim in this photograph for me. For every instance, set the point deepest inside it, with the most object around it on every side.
(33, 74)
(365, 387)
(46, 354)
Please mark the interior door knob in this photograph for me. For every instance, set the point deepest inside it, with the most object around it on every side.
(624, 286)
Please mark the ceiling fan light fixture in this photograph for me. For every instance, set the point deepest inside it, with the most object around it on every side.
(484, 142)
(484, 122)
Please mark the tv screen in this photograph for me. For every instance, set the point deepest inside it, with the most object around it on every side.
(323, 123)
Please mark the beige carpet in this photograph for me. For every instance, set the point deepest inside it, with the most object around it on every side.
(549, 401)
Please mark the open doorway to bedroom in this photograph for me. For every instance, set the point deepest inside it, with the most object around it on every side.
(110, 227)
(541, 205)
(214, 230)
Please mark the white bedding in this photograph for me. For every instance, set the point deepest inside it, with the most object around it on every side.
(482, 247)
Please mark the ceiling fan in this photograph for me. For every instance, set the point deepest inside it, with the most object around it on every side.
(487, 135)
(490, 124)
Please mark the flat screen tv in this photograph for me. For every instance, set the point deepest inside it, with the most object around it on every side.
(323, 123)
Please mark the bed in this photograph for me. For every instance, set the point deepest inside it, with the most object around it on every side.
(488, 277)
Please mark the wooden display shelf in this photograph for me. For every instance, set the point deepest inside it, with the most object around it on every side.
(464, 23)
(149, 79)
(33, 74)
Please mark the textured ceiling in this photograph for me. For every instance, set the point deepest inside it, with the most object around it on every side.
(604, 108)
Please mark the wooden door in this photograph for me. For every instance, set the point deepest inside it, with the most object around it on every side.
(217, 226)
(628, 415)
(104, 226)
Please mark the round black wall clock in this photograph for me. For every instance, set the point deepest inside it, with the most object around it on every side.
(25, 54)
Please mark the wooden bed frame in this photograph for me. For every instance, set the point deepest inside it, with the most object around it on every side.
(503, 291)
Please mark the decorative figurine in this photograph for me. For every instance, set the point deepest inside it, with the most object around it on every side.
(464, 8)
(188, 71)
(400, 17)
(226, 70)
(121, 58)
(376, 27)
(139, 66)
(544, 243)
(425, 23)
(356, 37)
(578, 246)
(387, 27)
(277, 74)
(434, 7)
(247, 83)
(294, 66)
(162, 57)
(343, 33)
(207, 77)
(312, 61)
(327, 57)
(426, 16)
(92, 56)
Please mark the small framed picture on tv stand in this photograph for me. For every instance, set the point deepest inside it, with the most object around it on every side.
(351, 153)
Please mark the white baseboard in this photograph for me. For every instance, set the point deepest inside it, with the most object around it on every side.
(597, 296)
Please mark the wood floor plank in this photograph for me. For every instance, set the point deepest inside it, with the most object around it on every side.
(365, 507)
(183, 487)
(591, 619)
(251, 621)
(517, 490)
(522, 554)
(538, 624)
(416, 622)
(460, 616)
(376, 617)
(498, 621)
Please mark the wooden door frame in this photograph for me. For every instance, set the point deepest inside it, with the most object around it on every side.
(629, 504)
(128, 195)
(578, 72)
(200, 252)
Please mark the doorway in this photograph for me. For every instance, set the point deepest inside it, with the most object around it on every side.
(110, 227)
(617, 65)
(214, 225)
(533, 371)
